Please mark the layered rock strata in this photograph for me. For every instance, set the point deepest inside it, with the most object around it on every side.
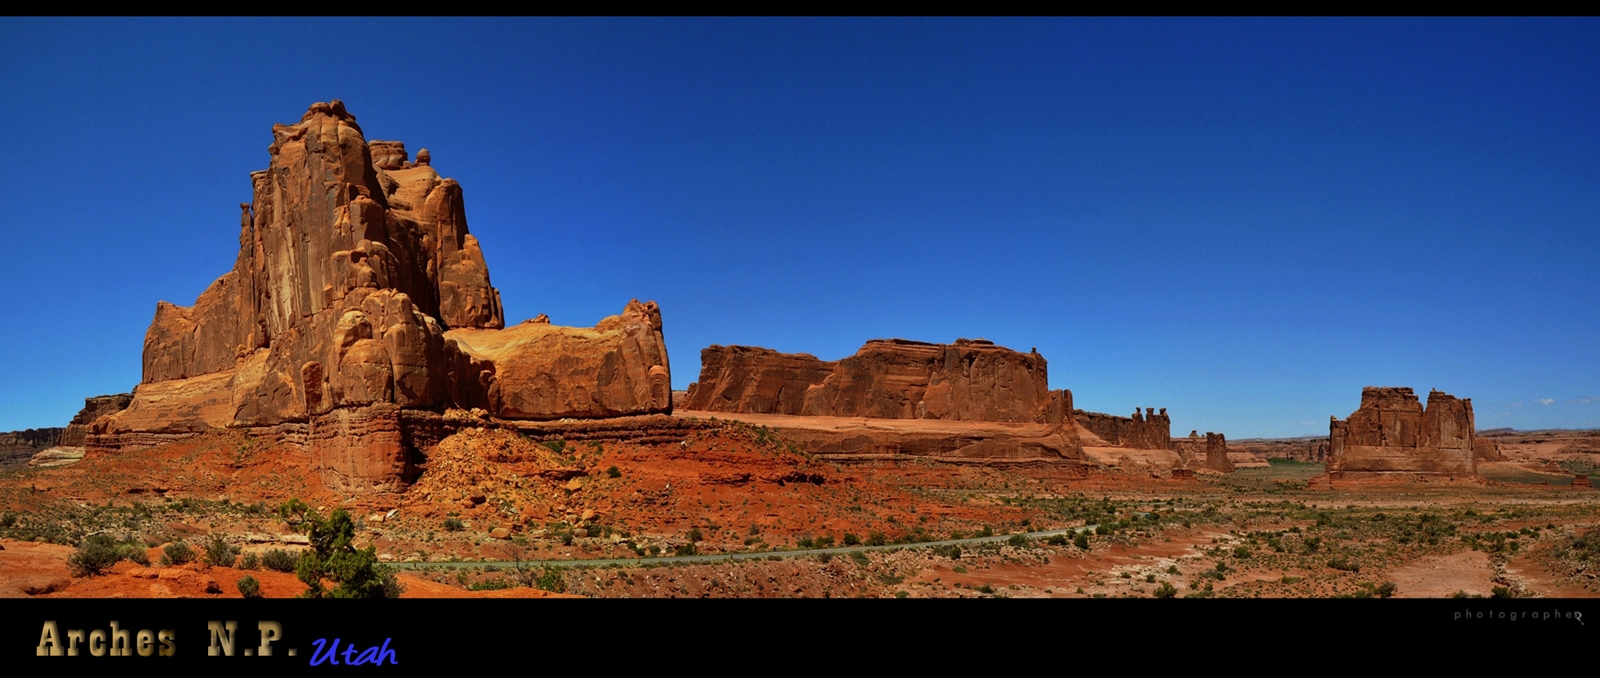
(358, 293)
(1147, 431)
(93, 408)
(17, 447)
(1393, 432)
(970, 380)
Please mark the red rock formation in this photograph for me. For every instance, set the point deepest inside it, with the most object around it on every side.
(1392, 432)
(93, 408)
(17, 447)
(1148, 431)
(970, 380)
(1484, 449)
(1295, 449)
(755, 380)
(1217, 453)
(357, 285)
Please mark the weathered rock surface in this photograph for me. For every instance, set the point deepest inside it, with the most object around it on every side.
(1148, 431)
(970, 380)
(93, 408)
(1217, 453)
(1295, 449)
(755, 380)
(356, 286)
(17, 447)
(1393, 432)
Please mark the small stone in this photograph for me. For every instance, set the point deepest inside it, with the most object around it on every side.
(212, 586)
(580, 532)
(588, 515)
(574, 485)
(500, 533)
(477, 499)
(375, 518)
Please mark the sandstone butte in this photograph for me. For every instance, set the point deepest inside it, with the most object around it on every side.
(1393, 432)
(970, 380)
(359, 304)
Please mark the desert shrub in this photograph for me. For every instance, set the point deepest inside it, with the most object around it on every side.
(877, 539)
(1241, 552)
(951, 551)
(901, 594)
(1166, 590)
(824, 558)
(695, 535)
(860, 558)
(613, 472)
(1081, 540)
(804, 542)
(95, 553)
(1502, 592)
(356, 572)
(176, 553)
(985, 589)
(1343, 565)
(279, 560)
(1056, 540)
(8, 520)
(851, 539)
(551, 580)
(555, 446)
(1102, 530)
(453, 525)
(985, 532)
(824, 541)
(1172, 569)
(1386, 589)
(249, 587)
(685, 550)
(250, 561)
(1149, 579)
(1018, 540)
(219, 553)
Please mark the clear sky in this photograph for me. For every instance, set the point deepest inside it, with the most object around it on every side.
(1244, 221)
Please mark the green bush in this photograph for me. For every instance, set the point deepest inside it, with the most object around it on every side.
(1081, 540)
(356, 572)
(1166, 590)
(99, 552)
(250, 561)
(850, 539)
(1018, 540)
(176, 553)
(985, 532)
(453, 525)
(1241, 552)
(860, 558)
(951, 551)
(551, 580)
(279, 560)
(876, 539)
(556, 446)
(695, 535)
(901, 594)
(613, 472)
(249, 587)
(220, 553)
(685, 550)
(1344, 565)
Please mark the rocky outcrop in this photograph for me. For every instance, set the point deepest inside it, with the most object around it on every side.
(970, 380)
(1217, 453)
(1393, 432)
(1148, 431)
(93, 408)
(357, 285)
(1484, 449)
(755, 380)
(1294, 449)
(17, 447)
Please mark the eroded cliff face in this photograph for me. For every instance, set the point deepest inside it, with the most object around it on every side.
(356, 286)
(970, 380)
(1393, 432)
(1147, 431)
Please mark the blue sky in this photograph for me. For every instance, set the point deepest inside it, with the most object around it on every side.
(1241, 220)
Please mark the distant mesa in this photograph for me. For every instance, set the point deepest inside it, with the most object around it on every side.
(359, 300)
(969, 380)
(1393, 433)
(1148, 431)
